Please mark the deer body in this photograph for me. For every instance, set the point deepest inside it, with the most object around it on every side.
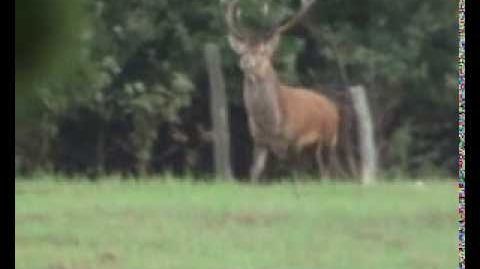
(280, 117)
(309, 118)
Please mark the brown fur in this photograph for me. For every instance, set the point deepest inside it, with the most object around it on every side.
(309, 118)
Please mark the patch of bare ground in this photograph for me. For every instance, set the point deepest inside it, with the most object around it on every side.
(62, 265)
(31, 217)
(436, 218)
(246, 218)
(56, 240)
(107, 257)
(381, 237)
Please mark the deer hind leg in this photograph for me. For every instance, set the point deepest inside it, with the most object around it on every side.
(334, 161)
(322, 168)
(260, 154)
(333, 157)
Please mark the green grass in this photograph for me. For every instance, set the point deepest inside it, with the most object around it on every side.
(115, 224)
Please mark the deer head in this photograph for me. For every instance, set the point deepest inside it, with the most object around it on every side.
(256, 51)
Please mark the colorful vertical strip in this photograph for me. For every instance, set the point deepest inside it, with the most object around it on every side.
(461, 132)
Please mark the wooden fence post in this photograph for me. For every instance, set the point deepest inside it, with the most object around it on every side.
(365, 134)
(219, 113)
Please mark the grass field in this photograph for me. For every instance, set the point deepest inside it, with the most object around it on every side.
(114, 224)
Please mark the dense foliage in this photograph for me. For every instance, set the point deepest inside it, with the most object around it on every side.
(136, 100)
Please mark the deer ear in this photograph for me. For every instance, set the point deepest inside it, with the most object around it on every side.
(238, 45)
(270, 46)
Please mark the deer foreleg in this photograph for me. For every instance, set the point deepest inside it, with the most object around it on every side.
(260, 155)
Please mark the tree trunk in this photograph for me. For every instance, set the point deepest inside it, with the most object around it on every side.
(144, 137)
(100, 149)
(44, 160)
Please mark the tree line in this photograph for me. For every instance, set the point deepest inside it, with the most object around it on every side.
(130, 94)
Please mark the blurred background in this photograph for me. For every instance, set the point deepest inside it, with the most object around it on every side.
(120, 87)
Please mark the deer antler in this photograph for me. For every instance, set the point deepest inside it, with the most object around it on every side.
(306, 4)
(232, 8)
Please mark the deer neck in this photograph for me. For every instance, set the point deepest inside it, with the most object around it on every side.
(261, 96)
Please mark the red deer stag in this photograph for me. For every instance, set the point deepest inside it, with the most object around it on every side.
(280, 117)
